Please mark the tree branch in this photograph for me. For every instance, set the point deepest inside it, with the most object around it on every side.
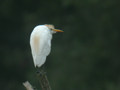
(43, 80)
(28, 86)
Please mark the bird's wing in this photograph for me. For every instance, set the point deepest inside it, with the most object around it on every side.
(40, 45)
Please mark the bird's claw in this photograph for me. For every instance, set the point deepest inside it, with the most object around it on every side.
(40, 72)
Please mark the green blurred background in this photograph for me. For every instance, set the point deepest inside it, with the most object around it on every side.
(85, 57)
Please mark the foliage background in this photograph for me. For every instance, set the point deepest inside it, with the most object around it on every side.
(85, 57)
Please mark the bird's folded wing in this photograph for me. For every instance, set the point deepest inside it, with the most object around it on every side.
(41, 45)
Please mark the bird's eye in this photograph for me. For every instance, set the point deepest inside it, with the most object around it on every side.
(51, 28)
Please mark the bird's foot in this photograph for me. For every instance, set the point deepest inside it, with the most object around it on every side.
(40, 72)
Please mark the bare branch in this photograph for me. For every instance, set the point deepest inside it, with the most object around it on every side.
(28, 86)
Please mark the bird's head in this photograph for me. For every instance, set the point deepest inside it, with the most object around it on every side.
(52, 28)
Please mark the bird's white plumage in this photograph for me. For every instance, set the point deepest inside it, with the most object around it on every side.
(40, 42)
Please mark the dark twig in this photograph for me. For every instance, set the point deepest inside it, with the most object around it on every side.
(43, 79)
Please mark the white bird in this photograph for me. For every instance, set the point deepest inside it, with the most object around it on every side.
(40, 42)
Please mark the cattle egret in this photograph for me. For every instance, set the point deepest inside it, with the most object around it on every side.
(40, 42)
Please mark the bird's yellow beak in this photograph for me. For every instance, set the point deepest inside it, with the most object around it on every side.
(57, 30)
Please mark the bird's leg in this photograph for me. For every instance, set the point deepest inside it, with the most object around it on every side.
(40, 71)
